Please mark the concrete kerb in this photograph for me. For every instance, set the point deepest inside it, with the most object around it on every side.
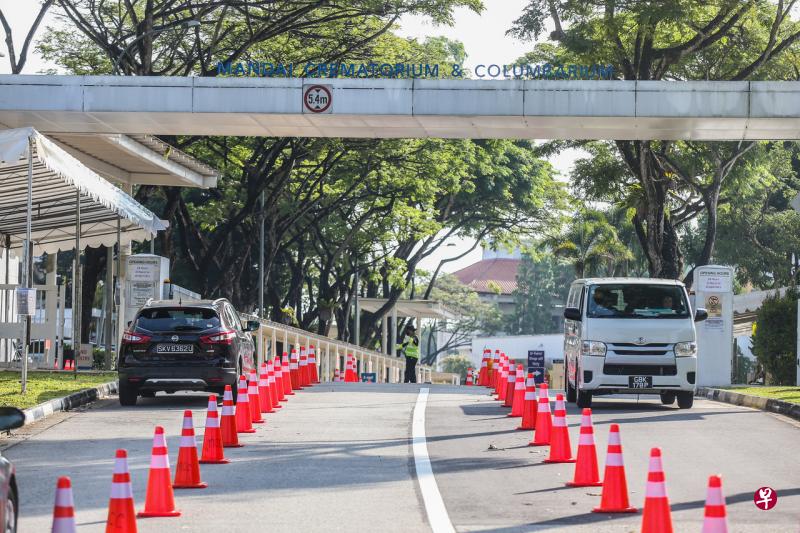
(792, 410)
(76, 399)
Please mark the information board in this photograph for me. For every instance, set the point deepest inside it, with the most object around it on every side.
(536, 365)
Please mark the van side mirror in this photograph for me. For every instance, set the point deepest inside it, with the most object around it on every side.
(700, 315)
(253, 325)
(572, 313)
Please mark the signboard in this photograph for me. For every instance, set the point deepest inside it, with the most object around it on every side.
(144, 268)
(140, 293)
(713, 303)
(26, 301)
(85, 356)
(317, 99)
(536, 365)
(714, 281)
(369, 377)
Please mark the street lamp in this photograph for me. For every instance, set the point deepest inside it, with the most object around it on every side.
(186, 24)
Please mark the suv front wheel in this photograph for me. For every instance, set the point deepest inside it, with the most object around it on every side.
(685, 399)
(127, 394)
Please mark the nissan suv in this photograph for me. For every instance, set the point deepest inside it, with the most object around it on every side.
(172, 346)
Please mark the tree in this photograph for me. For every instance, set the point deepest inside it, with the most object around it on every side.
(17, 60)
(774, 342)
(541, 281)
(457, 364)
(473, 317)
(693, 40)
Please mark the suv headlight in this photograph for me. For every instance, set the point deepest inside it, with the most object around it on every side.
(685, 349)
(593, 348)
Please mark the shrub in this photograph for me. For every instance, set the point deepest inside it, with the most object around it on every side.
(457, 364)
(774, 341)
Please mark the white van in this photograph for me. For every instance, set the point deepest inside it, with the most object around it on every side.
(630, 335)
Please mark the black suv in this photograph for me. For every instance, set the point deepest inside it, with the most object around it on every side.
(171, 346)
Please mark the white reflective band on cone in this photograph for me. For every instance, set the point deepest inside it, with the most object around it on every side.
(212, 422)
(159, 461)
(519, 385)
(227, 410)
(613, 438)
(187, 423)
(586, 439)
(187, 441)
(559, 421)
(120, 466)
(63, 498)
(530, 395)
(655, 489)
(715, 497)
(544, 407)
(121, 491)
(614, 459)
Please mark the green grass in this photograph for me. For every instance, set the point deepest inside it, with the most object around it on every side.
(785, 393)
(43, 386)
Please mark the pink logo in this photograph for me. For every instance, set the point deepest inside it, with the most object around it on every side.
(765, 498)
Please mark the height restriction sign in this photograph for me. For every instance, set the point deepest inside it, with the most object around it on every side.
(317, 99)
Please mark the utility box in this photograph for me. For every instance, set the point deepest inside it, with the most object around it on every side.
(713, 287)
(145, 276)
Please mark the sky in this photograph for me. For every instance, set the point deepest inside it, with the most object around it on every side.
(485, 41)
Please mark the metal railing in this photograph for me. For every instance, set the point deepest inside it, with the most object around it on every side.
(331, 353)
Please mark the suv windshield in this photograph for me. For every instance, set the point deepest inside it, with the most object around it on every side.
(637, 301)
(177, 319)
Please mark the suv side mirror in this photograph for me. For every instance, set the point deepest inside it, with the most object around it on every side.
(572, 313)
(700, 315)
(253, 325)
(11, 418)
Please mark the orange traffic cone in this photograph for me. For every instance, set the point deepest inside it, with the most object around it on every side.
(159, 500)
(288, 387)
(656, 517)
(519, 394)
(253, 399)
(213, 452)
(274, 396)
(335, 375)
(312, 364)
(586, 472)
(615, 487)
(529, 404)
(187, 471)
(279, 385)
(502, 379)
(715, 519)
(244, 422)
(121, 513)
(469, 377)
(63, 509)
(511, 382)
(230, 439)
(304, 375)
(494, 374)
(264, 400)
(560, 449)
(482, 373)
(544, 420)
(294, 370)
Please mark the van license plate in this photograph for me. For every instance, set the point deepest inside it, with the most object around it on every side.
(640, 382)
(174, 348)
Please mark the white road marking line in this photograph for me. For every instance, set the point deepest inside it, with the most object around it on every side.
(434, 505)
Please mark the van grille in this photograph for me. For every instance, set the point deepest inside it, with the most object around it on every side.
(640, 370)
(627, 348)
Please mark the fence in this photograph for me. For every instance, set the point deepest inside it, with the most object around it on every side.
(331, 353)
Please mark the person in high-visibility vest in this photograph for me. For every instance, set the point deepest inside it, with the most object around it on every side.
(410, 349)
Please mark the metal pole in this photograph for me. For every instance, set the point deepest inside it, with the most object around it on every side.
(6, 294)
(27, 267)
(357, 321)
(77, 286)
(261, 260)
(108, 326)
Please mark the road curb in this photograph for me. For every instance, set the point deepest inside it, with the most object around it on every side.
(76, 399)
(792, 410)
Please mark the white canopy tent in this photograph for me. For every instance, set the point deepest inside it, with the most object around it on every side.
(54, 202)
(58, 180)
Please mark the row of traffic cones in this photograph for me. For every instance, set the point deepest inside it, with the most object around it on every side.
(257, 394)
(550, 429)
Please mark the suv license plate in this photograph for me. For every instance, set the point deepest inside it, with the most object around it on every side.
(640, 382)
(174, 348)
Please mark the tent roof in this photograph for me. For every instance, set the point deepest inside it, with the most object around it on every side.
(409, 308)
(58, 178)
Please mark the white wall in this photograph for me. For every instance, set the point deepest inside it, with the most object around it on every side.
(516, 347)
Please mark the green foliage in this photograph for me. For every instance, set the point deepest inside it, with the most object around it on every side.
(542, 282)
(774, 342)
(457, 364)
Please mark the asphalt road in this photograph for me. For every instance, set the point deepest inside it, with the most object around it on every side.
(339, 458)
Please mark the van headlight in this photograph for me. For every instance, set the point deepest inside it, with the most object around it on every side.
(685, 349)
(593, 348)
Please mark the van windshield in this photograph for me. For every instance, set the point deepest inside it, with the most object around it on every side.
(637, 301)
